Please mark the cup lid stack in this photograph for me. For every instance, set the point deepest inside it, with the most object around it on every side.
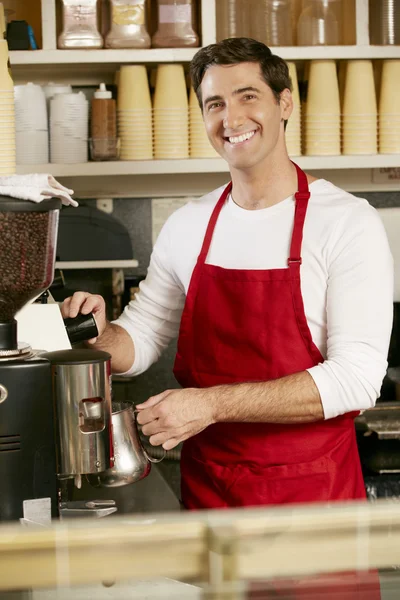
(389, 108)
(32, 135)
(134, 114)
(69, 124)
(171, 115)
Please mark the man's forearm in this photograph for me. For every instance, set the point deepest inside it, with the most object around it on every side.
(119, 344)
(292, 399)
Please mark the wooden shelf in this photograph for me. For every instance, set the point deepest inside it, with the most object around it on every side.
(97, 264)
(202, 165)
(89, 57)
(165, 55)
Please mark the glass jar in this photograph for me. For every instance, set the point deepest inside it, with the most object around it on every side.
(175, 24)
(319, 23)
(384, 22)
(271, 22)
(128, 25)
(233, 19)
(80, 25)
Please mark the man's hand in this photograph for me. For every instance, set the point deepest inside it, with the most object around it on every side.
(176, 415)
(85, 303)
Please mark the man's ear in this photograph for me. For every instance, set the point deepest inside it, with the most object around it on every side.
(286, 104)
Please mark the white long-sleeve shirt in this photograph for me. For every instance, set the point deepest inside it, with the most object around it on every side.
(346, 283)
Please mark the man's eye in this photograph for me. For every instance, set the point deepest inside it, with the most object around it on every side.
(249, 97)
(214, 105)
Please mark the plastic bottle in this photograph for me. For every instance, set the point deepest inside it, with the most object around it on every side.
(128, 25)
(103, 125)
(175, 25)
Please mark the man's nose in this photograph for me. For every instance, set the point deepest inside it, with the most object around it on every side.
(233, 118)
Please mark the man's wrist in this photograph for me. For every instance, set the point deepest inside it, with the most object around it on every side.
(213, 399)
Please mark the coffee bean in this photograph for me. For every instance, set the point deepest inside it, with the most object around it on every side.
(26, 258)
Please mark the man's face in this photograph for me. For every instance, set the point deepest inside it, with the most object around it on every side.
(241, 115)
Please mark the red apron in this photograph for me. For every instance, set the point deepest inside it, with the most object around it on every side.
(250, 325)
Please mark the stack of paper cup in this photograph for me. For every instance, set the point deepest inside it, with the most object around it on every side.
(7, 116)
(171, 115)
(359, 109)
(322, 118)
(389, 108)
(134, 113)
(293, 128)
(7, 131)
(69, 128)
(32, 136)
(199, 143)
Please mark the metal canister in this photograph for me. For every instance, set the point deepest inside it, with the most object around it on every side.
(82, 398)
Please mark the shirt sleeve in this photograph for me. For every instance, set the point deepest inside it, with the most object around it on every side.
(152, 319)
(359, 313)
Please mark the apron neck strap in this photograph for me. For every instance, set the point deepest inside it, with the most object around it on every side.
(301, 197)
(212, 222)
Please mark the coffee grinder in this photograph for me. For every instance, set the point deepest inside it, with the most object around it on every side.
(28, 235)
(55, 408)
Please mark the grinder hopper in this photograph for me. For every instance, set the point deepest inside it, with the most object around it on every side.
(28, 235)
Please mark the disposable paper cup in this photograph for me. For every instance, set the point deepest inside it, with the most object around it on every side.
(295, 84)
(137, 154)
(385, 129)
(199, 137)
(389, 148)
(323, 88)
(170, 119)
(133, 89)
(371, 141)
(205, 154)
(389, 99)
(170, 89)
(314, 145)
(321, 119)
(359, 92)
(361, 149)
(193, 102)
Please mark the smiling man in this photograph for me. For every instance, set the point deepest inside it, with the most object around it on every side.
(281, 288)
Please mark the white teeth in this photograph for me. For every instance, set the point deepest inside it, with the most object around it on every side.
(241, 138)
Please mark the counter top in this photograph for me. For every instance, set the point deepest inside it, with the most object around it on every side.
(151, 494)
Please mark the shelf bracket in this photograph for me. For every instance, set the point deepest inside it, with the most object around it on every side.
(362, 22)
(49, 26)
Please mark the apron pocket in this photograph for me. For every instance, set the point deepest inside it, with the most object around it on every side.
(284, 484)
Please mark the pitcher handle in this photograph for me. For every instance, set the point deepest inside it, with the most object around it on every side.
(154, 460)
(149, 458)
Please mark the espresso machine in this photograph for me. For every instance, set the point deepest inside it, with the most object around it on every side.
(55, 408)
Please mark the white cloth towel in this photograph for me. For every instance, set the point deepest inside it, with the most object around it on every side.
(35, 187)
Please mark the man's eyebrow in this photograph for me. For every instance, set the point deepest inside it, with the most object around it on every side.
(212, 99)
(216, 98)
(248, 88)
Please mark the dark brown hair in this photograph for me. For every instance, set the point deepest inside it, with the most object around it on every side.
(237, 50)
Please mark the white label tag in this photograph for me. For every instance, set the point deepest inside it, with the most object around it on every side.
(38, 511)
(386, 175)
(175, 14)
